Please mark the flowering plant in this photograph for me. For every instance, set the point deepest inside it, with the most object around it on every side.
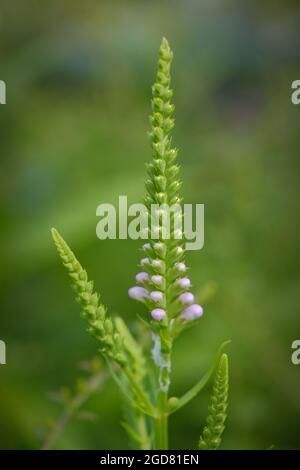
(143, 373)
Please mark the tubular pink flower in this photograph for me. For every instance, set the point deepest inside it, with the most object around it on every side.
(157, 279)
(158, 314)
(186, 298)
(181, 267)
(156, 296)
(192, 312)
(184, 282)
(141, 277)
(138, 293)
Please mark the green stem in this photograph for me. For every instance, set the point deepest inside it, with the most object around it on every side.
(161, 423)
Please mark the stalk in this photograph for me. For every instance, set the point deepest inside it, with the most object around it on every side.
(161, 423)
(161, 432)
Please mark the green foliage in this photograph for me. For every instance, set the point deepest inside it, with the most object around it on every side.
(73, 400)
(133, 349)
(215, 423)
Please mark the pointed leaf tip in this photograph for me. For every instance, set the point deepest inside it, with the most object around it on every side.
(55, 235)
(224, 363)
(164, 43)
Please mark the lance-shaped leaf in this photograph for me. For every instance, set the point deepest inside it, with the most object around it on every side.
(133, 350)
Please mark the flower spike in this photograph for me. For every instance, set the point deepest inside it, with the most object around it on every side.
(99, 324)
(211, 437)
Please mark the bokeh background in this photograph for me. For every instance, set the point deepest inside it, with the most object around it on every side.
(73, 134)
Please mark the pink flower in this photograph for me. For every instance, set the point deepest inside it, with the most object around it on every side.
(158, 314)
(138, 293)
(184, 282)
(156, 296)
(181, 267)
(192, 312)
(141, 277)
(186, 298)
(157, 279)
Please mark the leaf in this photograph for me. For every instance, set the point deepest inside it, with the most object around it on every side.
(144, 408)
(193, 392)
(132, 434)
(133, 349)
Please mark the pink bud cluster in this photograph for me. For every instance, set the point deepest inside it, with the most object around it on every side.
(149, 289)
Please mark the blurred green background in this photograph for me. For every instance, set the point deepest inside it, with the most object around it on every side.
(73, 135)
